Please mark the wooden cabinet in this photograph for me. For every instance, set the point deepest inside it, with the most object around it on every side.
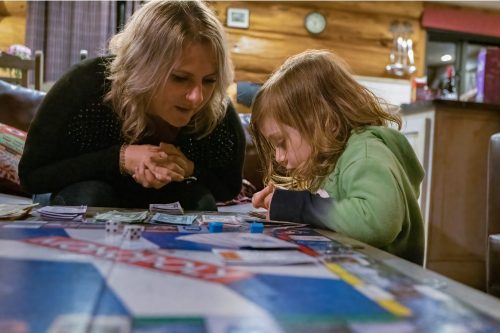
(451, 140)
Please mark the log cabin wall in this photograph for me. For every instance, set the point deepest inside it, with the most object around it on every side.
(356, 31)
(12, 23)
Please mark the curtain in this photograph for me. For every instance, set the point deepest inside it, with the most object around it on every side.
(62, 28)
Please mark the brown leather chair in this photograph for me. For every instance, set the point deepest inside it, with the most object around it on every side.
(493, 217)
(18, 105)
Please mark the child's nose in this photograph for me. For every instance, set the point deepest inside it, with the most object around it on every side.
(280, 156)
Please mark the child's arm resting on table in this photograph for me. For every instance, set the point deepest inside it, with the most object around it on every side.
(300, 206)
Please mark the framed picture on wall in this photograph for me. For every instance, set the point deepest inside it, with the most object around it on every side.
(238, 18)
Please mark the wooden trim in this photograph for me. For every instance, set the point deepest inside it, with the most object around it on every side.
(11, 61)
(39, 70)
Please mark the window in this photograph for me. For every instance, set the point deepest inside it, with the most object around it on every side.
(451, 63)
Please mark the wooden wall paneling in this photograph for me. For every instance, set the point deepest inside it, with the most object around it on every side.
(457, 216)
(13, 8)
(12, 31)
(357, 31)
(406, 9)
(12, 23)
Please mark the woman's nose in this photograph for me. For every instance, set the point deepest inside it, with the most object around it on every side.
(195, 94)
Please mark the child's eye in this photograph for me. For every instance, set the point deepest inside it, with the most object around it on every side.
(280, 144)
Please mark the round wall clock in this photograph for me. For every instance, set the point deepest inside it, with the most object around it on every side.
(315, 23)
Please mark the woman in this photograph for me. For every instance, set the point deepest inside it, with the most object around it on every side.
(331, 160)
(149, 124)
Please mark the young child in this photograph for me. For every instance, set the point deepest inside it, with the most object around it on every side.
(330, 159)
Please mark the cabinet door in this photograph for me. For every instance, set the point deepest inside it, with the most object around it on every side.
(457, 214)
(418, 130)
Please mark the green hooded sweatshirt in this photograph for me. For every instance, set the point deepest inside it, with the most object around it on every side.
(376, 185)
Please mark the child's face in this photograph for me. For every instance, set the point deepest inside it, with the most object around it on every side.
(291, 149)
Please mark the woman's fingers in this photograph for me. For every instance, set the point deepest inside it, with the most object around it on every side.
(153, 181)
(147, 179)
(153, 175)
(174, 162)
(170, 149)
(177, 156)
(160, 165)
(181, 162)
(169, 171)
(134, 155)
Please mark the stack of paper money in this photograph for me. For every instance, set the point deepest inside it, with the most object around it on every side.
(12, 212)
(173, 208)
(226, 219)
(63, 213)
(124, 217)
(173, 219)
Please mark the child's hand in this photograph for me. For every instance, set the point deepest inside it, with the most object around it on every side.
(263, 198)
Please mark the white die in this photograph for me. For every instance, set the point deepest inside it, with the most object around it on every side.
(113, 227)
(133, 232)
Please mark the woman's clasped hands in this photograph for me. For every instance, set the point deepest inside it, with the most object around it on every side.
(156, 166)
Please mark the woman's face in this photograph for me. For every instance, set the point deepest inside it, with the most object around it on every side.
(189, 86)
(291, 150)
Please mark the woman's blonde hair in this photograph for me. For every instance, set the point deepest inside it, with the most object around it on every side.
(315, 93)
(145, 53)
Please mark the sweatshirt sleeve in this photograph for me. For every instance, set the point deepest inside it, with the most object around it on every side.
(372, 207)
(300, 206)
(73, 137)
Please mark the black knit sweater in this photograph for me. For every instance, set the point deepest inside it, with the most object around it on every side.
(75, 136)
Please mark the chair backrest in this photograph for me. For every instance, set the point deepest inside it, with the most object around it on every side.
(10, 62)
(18, 105)
(493, 217)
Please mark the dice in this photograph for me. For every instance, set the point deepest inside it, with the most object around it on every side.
(133, 232)
(113, 227)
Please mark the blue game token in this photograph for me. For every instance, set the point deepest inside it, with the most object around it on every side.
(256, 228)
(215, 226)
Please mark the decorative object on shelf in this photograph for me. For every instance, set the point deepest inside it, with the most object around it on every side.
(238, 18)
(315, 23)
(22, 52)
(402, 58)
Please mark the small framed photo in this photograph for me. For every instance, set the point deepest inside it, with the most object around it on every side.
(238, 18)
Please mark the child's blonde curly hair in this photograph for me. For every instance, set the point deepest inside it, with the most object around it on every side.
(315, 93)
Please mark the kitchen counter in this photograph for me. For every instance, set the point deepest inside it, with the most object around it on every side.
(427, 105)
